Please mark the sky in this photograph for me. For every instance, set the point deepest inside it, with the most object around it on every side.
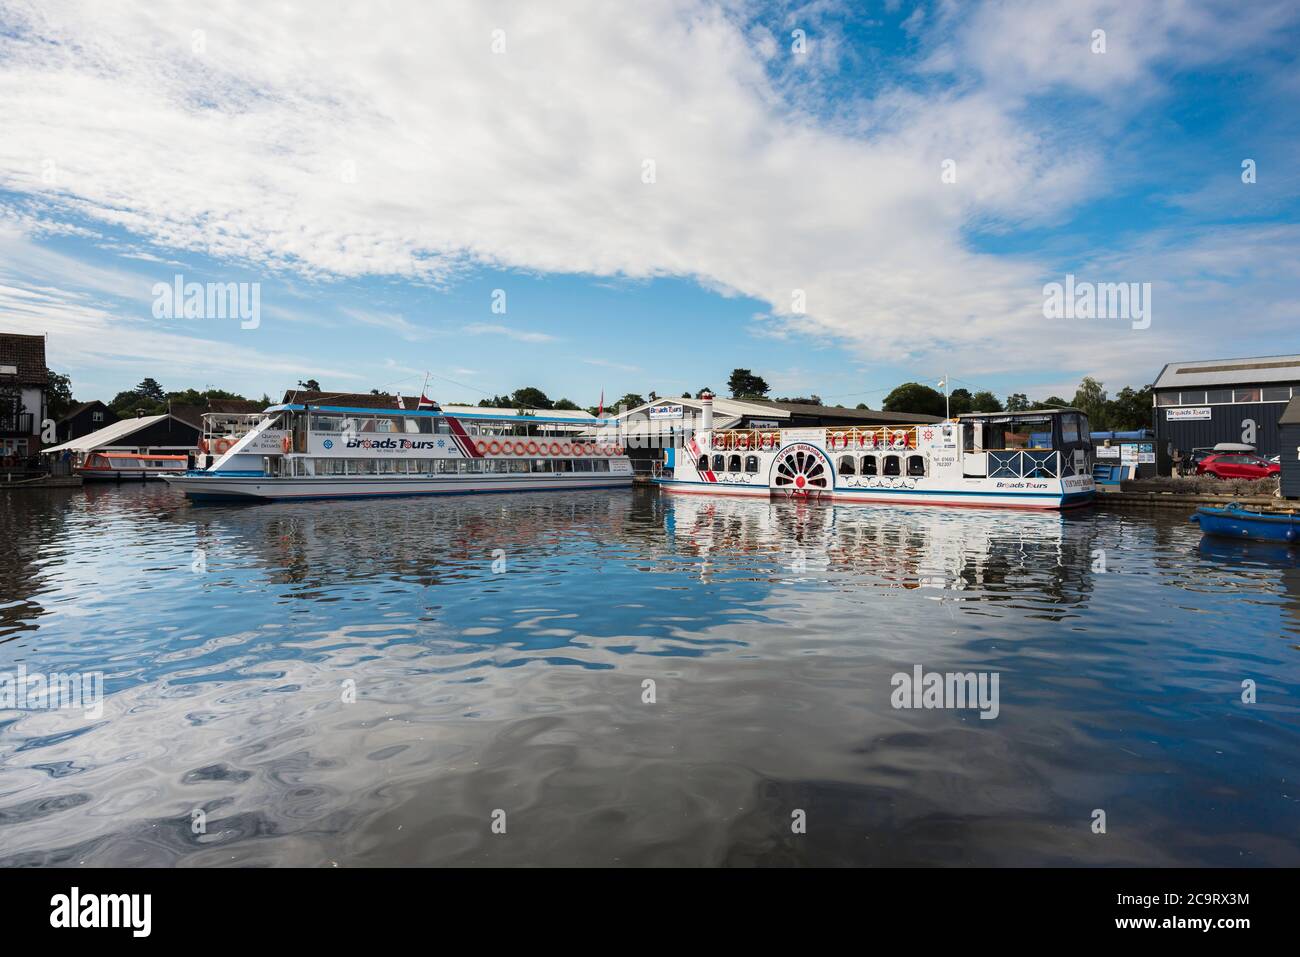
(587, 196)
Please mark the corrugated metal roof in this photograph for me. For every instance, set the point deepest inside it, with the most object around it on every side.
(108, 435)
(1291, 414)
(1208, 372)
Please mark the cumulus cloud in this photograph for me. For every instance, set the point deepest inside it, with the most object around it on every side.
(338, 140)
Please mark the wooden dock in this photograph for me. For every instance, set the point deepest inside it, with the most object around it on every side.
(40, 481)
(1188, 501)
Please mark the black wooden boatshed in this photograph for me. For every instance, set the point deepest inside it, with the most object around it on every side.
(1289, 440)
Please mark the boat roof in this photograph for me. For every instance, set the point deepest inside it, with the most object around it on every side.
(1004, 415)
(589, 419)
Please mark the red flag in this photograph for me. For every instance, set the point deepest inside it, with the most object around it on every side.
(600, 413)
(426, 402)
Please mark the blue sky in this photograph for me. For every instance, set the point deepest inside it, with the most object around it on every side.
(380, 179)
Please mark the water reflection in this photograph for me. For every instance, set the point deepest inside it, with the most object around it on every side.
(499, 649)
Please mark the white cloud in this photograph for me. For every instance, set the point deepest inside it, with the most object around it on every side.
(324, 140)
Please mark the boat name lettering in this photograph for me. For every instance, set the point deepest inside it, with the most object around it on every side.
(388, 444)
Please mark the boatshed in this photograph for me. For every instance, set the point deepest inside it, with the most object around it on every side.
(145, 434)
(1289, 440)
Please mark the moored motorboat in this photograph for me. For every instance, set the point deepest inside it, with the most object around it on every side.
(116, 466)
(1237, 521)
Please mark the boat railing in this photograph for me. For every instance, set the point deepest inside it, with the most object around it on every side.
(1023, 463)
(882, 438)
(742, 439)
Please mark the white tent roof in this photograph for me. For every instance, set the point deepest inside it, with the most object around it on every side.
(108, 435)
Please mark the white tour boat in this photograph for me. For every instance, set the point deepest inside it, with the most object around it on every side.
(309, 451)
(1038, 459)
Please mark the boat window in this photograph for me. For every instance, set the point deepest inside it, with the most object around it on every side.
(718, 463)
(602, 465)
(733, 464)
(751, 463)
(562, 465)
(387, 466)
(361, 466)
(916, 465)
(518, 465)
(445, 466)
(582, 465)
(869, 465)
(703, 464)
(847, 465)
(1069, 428)
(541, 465)
(891, 465)
(325, 423)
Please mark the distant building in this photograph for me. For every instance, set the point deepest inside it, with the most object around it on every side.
(83, 419)
(24, 398)
(1200, 404)
(367, 400)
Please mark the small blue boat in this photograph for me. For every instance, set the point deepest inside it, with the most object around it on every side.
(1236, 521)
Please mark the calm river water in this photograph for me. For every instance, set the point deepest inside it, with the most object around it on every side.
(395, 682)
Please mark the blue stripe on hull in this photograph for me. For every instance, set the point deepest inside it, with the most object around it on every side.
(201, 498)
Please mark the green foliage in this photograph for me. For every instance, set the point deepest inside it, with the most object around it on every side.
(744, 384)
(58, 398)
(915, 397)
(564, 405)
(530, 397)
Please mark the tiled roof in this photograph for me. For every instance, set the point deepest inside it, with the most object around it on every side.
(27, 353)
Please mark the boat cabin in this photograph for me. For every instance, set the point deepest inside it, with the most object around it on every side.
(1042, 443)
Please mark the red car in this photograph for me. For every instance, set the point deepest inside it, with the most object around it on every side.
(1236, 465)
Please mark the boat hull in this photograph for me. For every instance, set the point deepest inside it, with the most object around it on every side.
(1240, 523)
(1051, 500)
(263, 488)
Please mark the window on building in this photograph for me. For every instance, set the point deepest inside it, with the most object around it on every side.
(892, 465)
(1277, 393)
(1195, 397)
(1245, 395)
(97, 416)
(1167, 398)
(1213, 396)
(847, 465)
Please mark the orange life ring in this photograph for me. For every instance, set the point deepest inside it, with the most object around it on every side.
(532, 448)
(520, 448)
(618, 450)
(742, 441)
(203, 445)
(566, 448)
(555, 448)
(222, 446)
(480, 447)
(494, 447)
(286, 444)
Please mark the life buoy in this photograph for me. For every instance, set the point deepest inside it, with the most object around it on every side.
(618, 450)
(203, 446)
(839, 440)
(494, 447)
(742, 442)
(520, 448)
(222, 446)
(566, 449)
(285, 444)
(898, 441)
(532, 448)
(555, 448)
(772, 440)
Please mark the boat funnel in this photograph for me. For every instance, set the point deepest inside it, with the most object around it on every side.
(706, 412)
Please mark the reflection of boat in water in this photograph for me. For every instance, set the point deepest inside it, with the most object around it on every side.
(899, 547)
(1025, 460)
(1237, 521)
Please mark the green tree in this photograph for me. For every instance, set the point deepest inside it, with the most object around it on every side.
(530, 397)
(915, 397)
(310, 385)
(630, 401)
(1090, 399)
(959, 401)
(813, 399)
(1130, 409)
(707, 389)
(745, 385)
(686, 395)
(150, 389)
(985, 401)
(1018, 402)
(58, 396)
(564, 405)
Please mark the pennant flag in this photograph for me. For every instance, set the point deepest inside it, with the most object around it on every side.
(427, 403)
